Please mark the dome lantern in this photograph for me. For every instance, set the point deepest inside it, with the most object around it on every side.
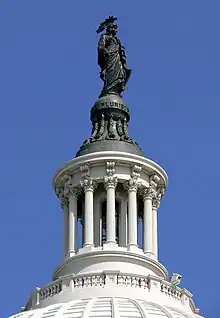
(110, 195)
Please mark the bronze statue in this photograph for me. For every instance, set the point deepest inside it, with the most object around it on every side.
(112, 59)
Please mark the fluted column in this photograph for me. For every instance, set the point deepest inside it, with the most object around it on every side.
(97, 222)
(110, 182)
(155, 207)
(65, 207)
(148, 195)
(71, 193)
(132, 186)
(123, 223)
(88, 186)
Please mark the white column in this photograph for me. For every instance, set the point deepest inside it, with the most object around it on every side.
(132, 215)
(88, 186)
(110, 184)
(148, 222)
(72, 224)
(97, 222)
(65, 207)
(123, 223)
(76, 245)
(155, 207)
(71, 194)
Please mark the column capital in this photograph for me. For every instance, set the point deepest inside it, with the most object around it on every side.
(158, 196)
(88, 184)
(155, 203)
(110, 182)
(60, 194)
(148, 193)
(64, 202)
(70, 190)
(132, 185)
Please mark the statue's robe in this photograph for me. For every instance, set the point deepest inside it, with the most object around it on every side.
(111, 59)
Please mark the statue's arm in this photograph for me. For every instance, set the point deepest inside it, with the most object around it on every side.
(102, 51)
(102, 42)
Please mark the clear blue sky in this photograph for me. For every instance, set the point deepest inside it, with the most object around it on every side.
(49, 79)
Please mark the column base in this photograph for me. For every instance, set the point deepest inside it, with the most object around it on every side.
(110, 246)
(86, 249)
(154, 257)
(149, 254)
(69, 254)
(133, 248)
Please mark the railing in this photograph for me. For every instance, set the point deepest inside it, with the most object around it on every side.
(106, 279)
(51, 290)
(132, 281)
(171, 290)
(88, 281)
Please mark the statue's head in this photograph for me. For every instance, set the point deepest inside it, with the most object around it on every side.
(109, 25)
(112, 28)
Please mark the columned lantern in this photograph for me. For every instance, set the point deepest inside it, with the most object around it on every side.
(110, 195)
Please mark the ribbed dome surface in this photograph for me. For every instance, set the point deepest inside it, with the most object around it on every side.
(104, 308)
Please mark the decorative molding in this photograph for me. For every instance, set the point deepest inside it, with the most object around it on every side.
(132, 185)
(148, 193)
(154, 179)
(85, 171)
(59, 191)
(110, 168)
(88, 184)
(158, 196)
(161, 191)
(152, 191)
(61, 196)
(148, 283)
(110, 181)
(136, 171)
(70, 190)
(156, 203)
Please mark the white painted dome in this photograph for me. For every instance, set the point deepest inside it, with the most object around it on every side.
(104, 307)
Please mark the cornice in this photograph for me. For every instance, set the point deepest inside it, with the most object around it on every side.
(147, 165)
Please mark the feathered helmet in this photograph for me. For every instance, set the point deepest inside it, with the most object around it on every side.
(108, 22)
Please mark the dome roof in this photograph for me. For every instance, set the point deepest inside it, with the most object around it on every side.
(105, 307)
